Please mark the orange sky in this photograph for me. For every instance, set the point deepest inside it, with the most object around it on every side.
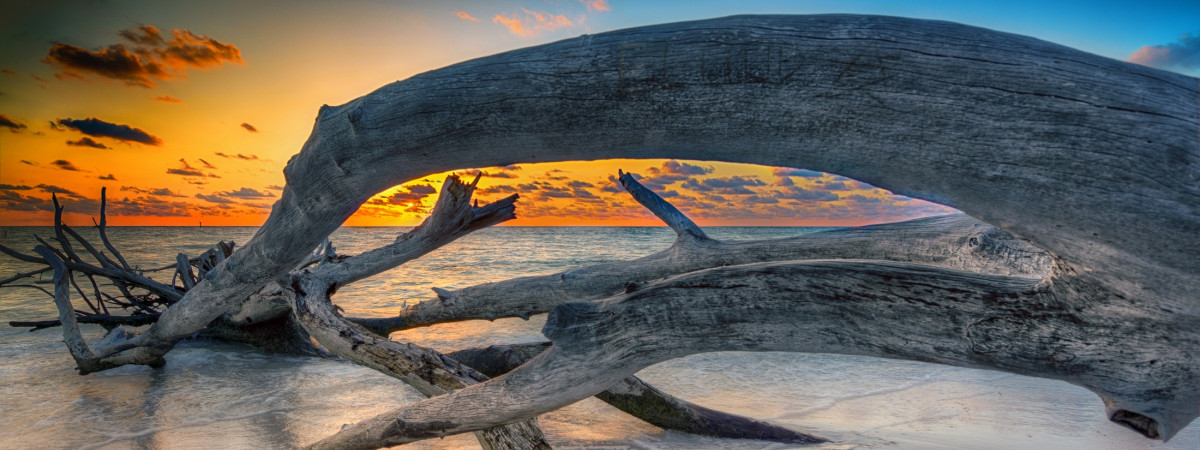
(187, 113)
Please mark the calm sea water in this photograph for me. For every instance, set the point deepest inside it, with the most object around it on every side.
(230, 396)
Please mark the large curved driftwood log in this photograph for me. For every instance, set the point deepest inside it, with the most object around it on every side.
(1090, 159)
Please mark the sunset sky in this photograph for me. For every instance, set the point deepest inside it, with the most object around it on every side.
(188, 111)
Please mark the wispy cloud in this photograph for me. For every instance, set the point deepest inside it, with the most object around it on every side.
(12, 125)
(238, 156)
(108, 177)
(187, 170)
(86, 142)
(1181, 55)
(167, 99)
(249, 127)
(98, 128)
(246, 193)
(532, 22)
(596, 5)
(464, 16)
(150, 57)
(65, 165)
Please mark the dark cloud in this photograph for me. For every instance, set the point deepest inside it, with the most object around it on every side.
(52, 189)
(64, 165)
(677, 168)
(164, 192)
(474, 172)
(167, 99)
(14, 187)
(143, 35)
(187, 170)
(28, 162)
(410, 196)
(8, 72)
(214, 198)
(108, 177)
(246, 193)
(238, 156)
(735, 185)
(86, 142)
(98, 128)
(151, 56)
(206, 164)
(12, 201)
(790, 172)
(249, 127)
(275, 187)
(806, 195)
(1182, 55)
(114, 62)
(12, 125)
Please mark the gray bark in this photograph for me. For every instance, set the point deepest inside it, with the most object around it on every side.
(1090, 159)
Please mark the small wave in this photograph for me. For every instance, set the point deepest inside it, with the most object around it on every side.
(827, 402)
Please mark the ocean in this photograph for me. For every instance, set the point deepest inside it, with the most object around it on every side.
(232, 396)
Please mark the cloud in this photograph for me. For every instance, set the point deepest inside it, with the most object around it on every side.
(514, 25)
(532, 22)
(98, 128)
(11, 187)
(65, 165)
(108, 177)
(214, 199)
(790, 172)
(596, 5)
(735, 185)
(150, 57)
(114, 62)
(12, 201)
(52, 189)
(806, 195)
(166, 192)
(249, 127)
(12, 125)
(206, 163)
(677, 168)
(246, 193)
(238, 156)
(86, 142)
(167, 99)
(464, 16)
(474, 172)
(143, 35)
(8, 72)
(275, 187)
(188, 171)
(1181, 55)
(413, 196)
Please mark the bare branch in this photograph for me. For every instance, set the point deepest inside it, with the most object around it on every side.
(683, 226)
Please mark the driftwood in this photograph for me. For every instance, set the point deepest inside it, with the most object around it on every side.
(425, 369)
(1091, 161)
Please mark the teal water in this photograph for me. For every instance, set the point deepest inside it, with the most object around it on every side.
(230, 396)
